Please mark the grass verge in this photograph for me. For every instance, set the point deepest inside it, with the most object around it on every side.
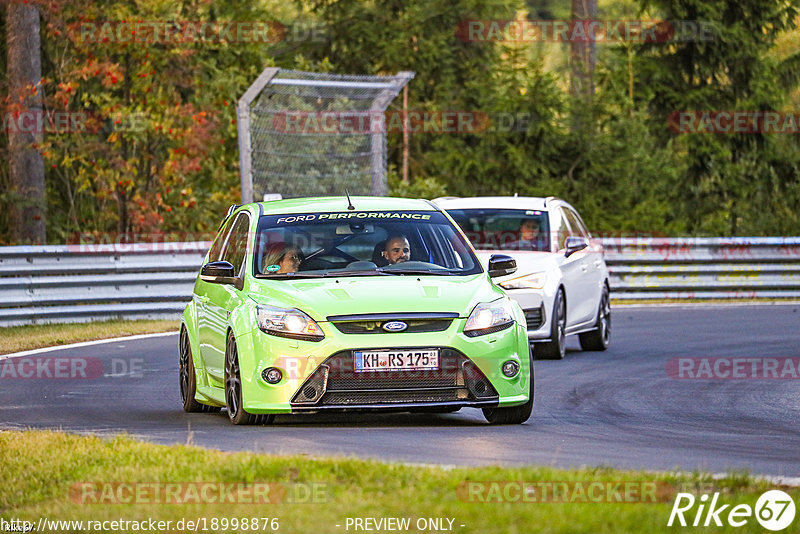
(64, 477)
(19, 338)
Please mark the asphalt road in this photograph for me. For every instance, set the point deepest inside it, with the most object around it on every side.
(618, 408)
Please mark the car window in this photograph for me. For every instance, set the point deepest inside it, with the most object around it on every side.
(236, 245)
(215, 252)
(361, 243)
(504, 229)
(562, 231)
(582, 224)
(576, 227)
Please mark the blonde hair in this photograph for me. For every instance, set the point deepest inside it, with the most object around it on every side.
(275, 253)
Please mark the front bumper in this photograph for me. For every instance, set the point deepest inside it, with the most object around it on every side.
(469, 376)
(336, 386)
(537, 312)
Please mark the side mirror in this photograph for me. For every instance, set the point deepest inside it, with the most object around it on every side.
(575, 244)
(501, 265)
(218, 272)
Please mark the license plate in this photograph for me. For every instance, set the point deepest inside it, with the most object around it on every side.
(396, 360)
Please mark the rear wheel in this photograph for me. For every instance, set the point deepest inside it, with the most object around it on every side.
(514, 415)
(233, 390)
(598, 339)
(556, 348)
(188, 378)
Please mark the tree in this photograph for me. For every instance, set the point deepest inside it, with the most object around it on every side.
(734, 183)
(26, 197)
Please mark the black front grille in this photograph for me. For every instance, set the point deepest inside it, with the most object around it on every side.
(534, 318)
(394, 397)
(336, 383)
(376, 327)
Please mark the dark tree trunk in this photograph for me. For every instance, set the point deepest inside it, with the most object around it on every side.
(583, 57)
(26, 166)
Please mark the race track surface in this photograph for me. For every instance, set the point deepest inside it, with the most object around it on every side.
(618, 408)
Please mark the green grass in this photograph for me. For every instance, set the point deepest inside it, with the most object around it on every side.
(39, 468)
(19, 338)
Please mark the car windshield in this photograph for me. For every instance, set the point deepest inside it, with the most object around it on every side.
(504, 229)
(360, 243)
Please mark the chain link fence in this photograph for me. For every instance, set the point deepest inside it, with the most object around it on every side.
(314, 134)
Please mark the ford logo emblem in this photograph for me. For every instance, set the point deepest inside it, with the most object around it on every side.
(395, 326)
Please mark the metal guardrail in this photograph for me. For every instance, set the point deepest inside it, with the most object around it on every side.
(71, 283)
(704, 268)
(91, 282)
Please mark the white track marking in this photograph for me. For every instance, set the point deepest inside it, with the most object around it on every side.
(84, 344)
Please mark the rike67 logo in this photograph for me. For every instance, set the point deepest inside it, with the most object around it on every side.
(774, 510)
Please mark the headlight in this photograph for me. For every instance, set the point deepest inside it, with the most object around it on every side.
(288, 323)
(529, 281)
(488, 317)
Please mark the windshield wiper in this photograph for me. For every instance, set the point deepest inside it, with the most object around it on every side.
(372, 272)
(289, 276)
(443, 272)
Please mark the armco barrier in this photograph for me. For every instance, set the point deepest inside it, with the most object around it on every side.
(704, 268)
(70, 283)
(90, 282)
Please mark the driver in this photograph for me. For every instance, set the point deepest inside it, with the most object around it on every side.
(281, 259)
(397, 250)
(529, 235)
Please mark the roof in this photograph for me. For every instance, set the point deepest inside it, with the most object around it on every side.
(339, 204)
(527, 203)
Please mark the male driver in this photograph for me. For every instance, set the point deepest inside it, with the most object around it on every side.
(397, 250)
(529, 236)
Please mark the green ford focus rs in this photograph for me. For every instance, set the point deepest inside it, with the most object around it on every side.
(364, 304)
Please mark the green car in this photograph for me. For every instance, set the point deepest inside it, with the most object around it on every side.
(339, 304)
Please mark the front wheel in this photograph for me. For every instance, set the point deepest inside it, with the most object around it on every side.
(514, 415)
(598, 339)
(233, 390)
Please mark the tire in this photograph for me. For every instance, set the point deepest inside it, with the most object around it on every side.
(514, 415)
(233, 390)
(556, 348)
(188, 379)
(599, 338)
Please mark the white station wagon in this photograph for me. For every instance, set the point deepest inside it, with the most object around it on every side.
(562, 280)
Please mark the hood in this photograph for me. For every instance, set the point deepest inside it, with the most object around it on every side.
(527, 262)
(321, 298)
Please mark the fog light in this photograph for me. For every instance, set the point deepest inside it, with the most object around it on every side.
(510, 368)
(272, 375)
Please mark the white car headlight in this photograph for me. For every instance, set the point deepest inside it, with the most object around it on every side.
(287, 323)
(529, 281)
(488, 317)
